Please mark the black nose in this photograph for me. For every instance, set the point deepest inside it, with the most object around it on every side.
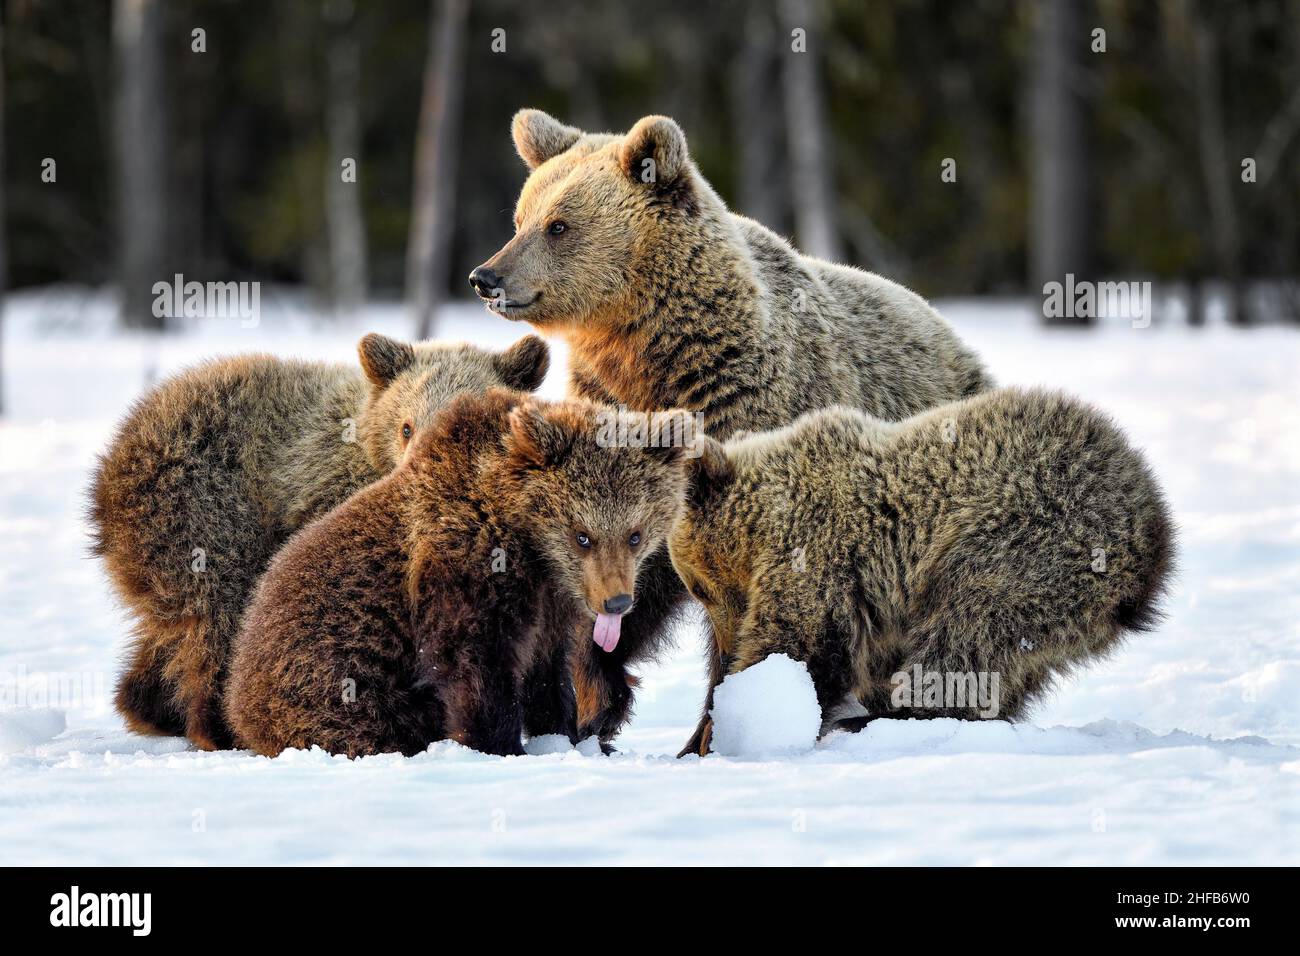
(485, 281)
(618, 604)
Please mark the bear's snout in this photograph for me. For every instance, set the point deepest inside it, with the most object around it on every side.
(618, 604)
(485, 281)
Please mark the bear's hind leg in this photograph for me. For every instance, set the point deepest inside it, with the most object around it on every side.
(144, 698)
(198, 671)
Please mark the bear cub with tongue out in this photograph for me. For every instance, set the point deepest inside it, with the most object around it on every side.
(425, 607)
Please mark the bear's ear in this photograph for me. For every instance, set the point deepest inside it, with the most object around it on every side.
(383, 359)
(523, 366)
(536, 440)
(654, 151)
(539, 136)
(710, 471)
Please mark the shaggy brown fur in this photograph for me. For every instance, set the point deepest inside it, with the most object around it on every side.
(669, 300)
(423, 607)
(1015, 533)
(216, 467)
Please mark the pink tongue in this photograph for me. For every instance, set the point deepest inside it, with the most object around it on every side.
(607, 629)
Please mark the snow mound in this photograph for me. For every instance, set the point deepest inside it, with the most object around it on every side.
(770, 708)
(20, 729)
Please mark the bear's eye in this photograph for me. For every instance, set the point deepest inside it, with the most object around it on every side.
(634, 539)
(406, 431)
(557, 227)
(583, 541)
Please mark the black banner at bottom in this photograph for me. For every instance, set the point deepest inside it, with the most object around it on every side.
(214, 906)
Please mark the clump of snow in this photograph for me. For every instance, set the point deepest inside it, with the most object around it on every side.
(770, 708)
(547, 744)
(559, 744)
(26, 727)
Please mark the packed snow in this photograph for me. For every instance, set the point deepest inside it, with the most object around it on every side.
(24, 727)
(1184, 747)
(769, 709)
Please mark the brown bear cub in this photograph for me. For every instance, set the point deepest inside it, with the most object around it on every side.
(667, 299)
(994, 543)
(427, 605)
(214, 469)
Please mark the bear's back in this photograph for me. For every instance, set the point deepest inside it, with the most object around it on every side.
(330, 616)
(197, 463)
(1007, 458)
(855, 338)
(228, 415)
(1038, 500)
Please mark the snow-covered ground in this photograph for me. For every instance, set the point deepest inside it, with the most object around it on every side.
(1183, 748)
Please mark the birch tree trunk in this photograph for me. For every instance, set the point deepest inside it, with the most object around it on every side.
(762, 189)
(434, 180)
(301, 93)
(141, 174)
(811, 185)
(343, 208)
(1216, 167)
(1059, 221)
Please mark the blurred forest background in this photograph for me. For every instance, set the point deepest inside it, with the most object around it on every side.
(1172, 155)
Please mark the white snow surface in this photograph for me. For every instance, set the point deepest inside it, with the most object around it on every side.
(1182, 748)
(769, 709)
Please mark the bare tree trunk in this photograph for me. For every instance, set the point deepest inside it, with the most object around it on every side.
(141, 186)
(1195, 300)
(347, 226)
(811, 183)
(300, 92)
(1058, 226)
(437, 144)
(761, 193)
(1212, 143)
